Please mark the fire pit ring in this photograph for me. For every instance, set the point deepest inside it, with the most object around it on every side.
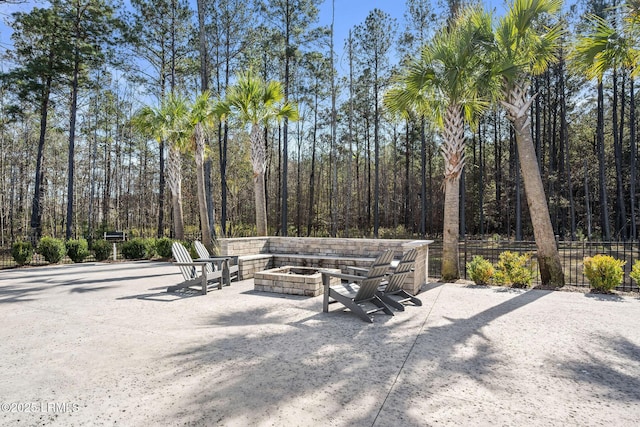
(292, 280)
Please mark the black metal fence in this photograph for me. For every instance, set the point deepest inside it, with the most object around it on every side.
(572, 254)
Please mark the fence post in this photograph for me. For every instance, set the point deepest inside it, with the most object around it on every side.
(464, 266)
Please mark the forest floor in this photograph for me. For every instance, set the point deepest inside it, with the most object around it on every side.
(104, 344)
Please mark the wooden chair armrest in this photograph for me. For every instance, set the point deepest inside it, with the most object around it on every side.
(194, 263)
(350, 277)
(358, 270)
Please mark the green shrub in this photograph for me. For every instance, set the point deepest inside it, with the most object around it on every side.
(163, 247)
(135, 249)
(77, 250)
(512, 270)
(604, 272)
(22, 252)
(480, 270)
(53, 250)
(151, 247)
(102, 249)
(635, 272)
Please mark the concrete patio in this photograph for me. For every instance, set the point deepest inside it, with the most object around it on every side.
(104, 344)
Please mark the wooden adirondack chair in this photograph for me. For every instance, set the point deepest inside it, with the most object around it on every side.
(391, 292)
(359, 291)
(189, 270)
(228, 264)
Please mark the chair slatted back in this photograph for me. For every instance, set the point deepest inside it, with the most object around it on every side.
(203, 253)
(402, 271)
(181, 254)
(375, 275)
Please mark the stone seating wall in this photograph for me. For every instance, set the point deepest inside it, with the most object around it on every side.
(262, 253)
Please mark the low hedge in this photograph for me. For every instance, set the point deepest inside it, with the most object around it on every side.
(22, 252)
(52, 249)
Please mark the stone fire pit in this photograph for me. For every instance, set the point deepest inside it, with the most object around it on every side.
(292, 280)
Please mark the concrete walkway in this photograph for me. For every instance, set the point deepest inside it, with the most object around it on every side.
(103, 344)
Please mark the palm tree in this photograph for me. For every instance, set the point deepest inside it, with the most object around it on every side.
(449, 82)
(201, 117)
(253, 101)
(524, 48)
(169, 123)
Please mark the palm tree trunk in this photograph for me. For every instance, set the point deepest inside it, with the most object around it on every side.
(259, 163)
(453, 153)
(174, 180)
(548, 256)
(202, 199)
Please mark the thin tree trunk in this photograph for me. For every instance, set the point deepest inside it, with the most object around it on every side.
(586, 201)
(72, 139)
(565, 141)
(481, 150)
(284, 209)
(350, 159)
(334, 149)
(604, 208)
(376, 140)
(407, 177)
(36, 206)
(312, 175)
(423, 179)
(621, 221)
(633, 164)
(161, 173)
(106, 192)
(497, 153)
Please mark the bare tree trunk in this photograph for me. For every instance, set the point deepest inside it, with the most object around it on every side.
(334, 149)
(620, 214)
(72, 138)
(312, 175)
(604, 206)
(423, 179)
(36, 206)
(633, 168)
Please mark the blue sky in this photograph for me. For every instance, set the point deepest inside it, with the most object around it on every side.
(348, 13)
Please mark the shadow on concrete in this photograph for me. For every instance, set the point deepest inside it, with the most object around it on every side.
(163, 296)
(96, 267)
(280, 361)
(611, 370)
(13, 294)
(604, 297)
(84, 290)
